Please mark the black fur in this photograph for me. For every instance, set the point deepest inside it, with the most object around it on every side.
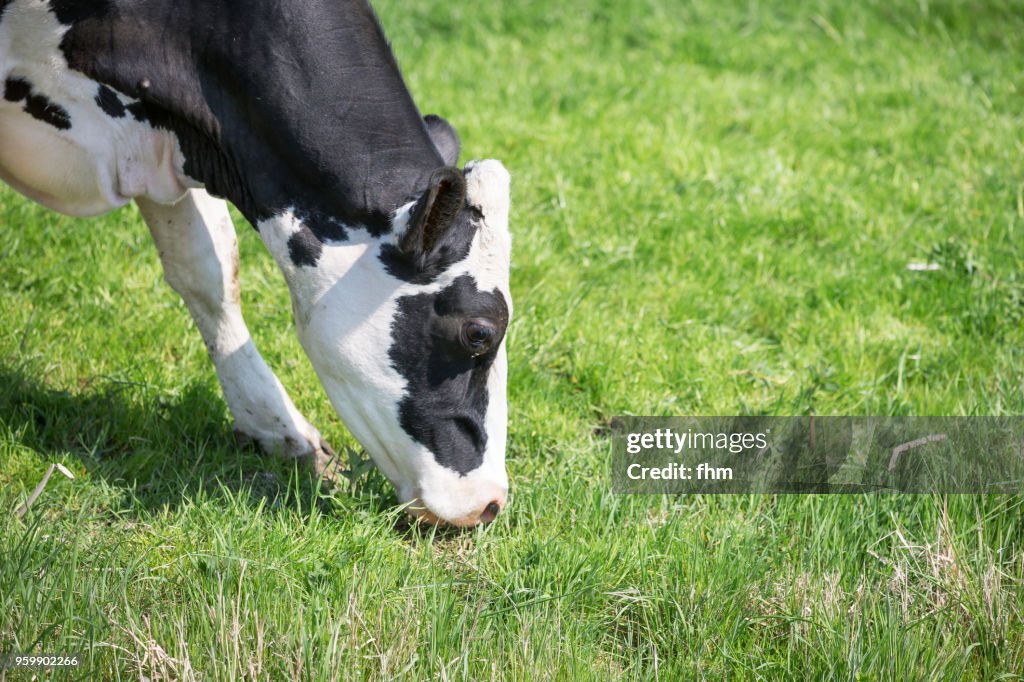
(325, 227)
(16, 89)
(109, 102)
(138, 111)
(306, 245)
(37, 105)
(304, 248)
(275, 104)
(72, 11)
(446, 401)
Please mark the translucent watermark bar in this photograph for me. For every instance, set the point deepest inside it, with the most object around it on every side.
(749, 454)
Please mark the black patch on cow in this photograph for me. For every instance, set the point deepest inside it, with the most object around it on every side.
(138, 111)
(275, 104)
(109, 102)
(73, 11)
(37, 105)
(42, 108)
(324, 227)
(306, 245)
(16, 89)
(3, 6)
(304, 248)
(446, 400)
(399, 265)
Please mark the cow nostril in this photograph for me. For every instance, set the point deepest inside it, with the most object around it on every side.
(490, 512)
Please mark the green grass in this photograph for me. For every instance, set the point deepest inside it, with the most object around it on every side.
(715, 204)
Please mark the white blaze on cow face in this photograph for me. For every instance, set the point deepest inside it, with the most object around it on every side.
(406, 334)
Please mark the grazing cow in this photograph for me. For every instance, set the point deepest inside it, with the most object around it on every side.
(295, 111)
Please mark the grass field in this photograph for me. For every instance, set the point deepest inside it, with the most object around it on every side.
(714, 209)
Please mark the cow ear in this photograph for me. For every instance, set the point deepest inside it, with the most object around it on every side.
(433, 217)
(445, 139)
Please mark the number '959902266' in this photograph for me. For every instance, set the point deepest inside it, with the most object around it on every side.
(11, 661)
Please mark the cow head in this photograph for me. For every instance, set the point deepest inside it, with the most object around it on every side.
(406, 333)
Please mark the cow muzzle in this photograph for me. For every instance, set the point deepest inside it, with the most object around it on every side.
(494, 498)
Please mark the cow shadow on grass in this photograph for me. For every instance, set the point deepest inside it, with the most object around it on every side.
(161, 451)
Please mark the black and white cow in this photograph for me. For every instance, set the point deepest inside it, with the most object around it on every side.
(295, 111)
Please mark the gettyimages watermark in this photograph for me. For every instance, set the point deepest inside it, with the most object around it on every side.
(818, 454)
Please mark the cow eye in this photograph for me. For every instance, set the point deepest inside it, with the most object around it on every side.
(477, 336)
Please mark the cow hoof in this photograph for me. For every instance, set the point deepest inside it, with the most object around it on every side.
(243, 439)
(323, 461)
(314, 452)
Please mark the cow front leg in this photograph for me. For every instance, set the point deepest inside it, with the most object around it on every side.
(199, 252)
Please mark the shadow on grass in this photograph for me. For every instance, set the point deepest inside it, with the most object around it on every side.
(164, 450)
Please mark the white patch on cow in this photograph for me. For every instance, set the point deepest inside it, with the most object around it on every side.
(101, 162)
(344, 308)
(489, 261)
